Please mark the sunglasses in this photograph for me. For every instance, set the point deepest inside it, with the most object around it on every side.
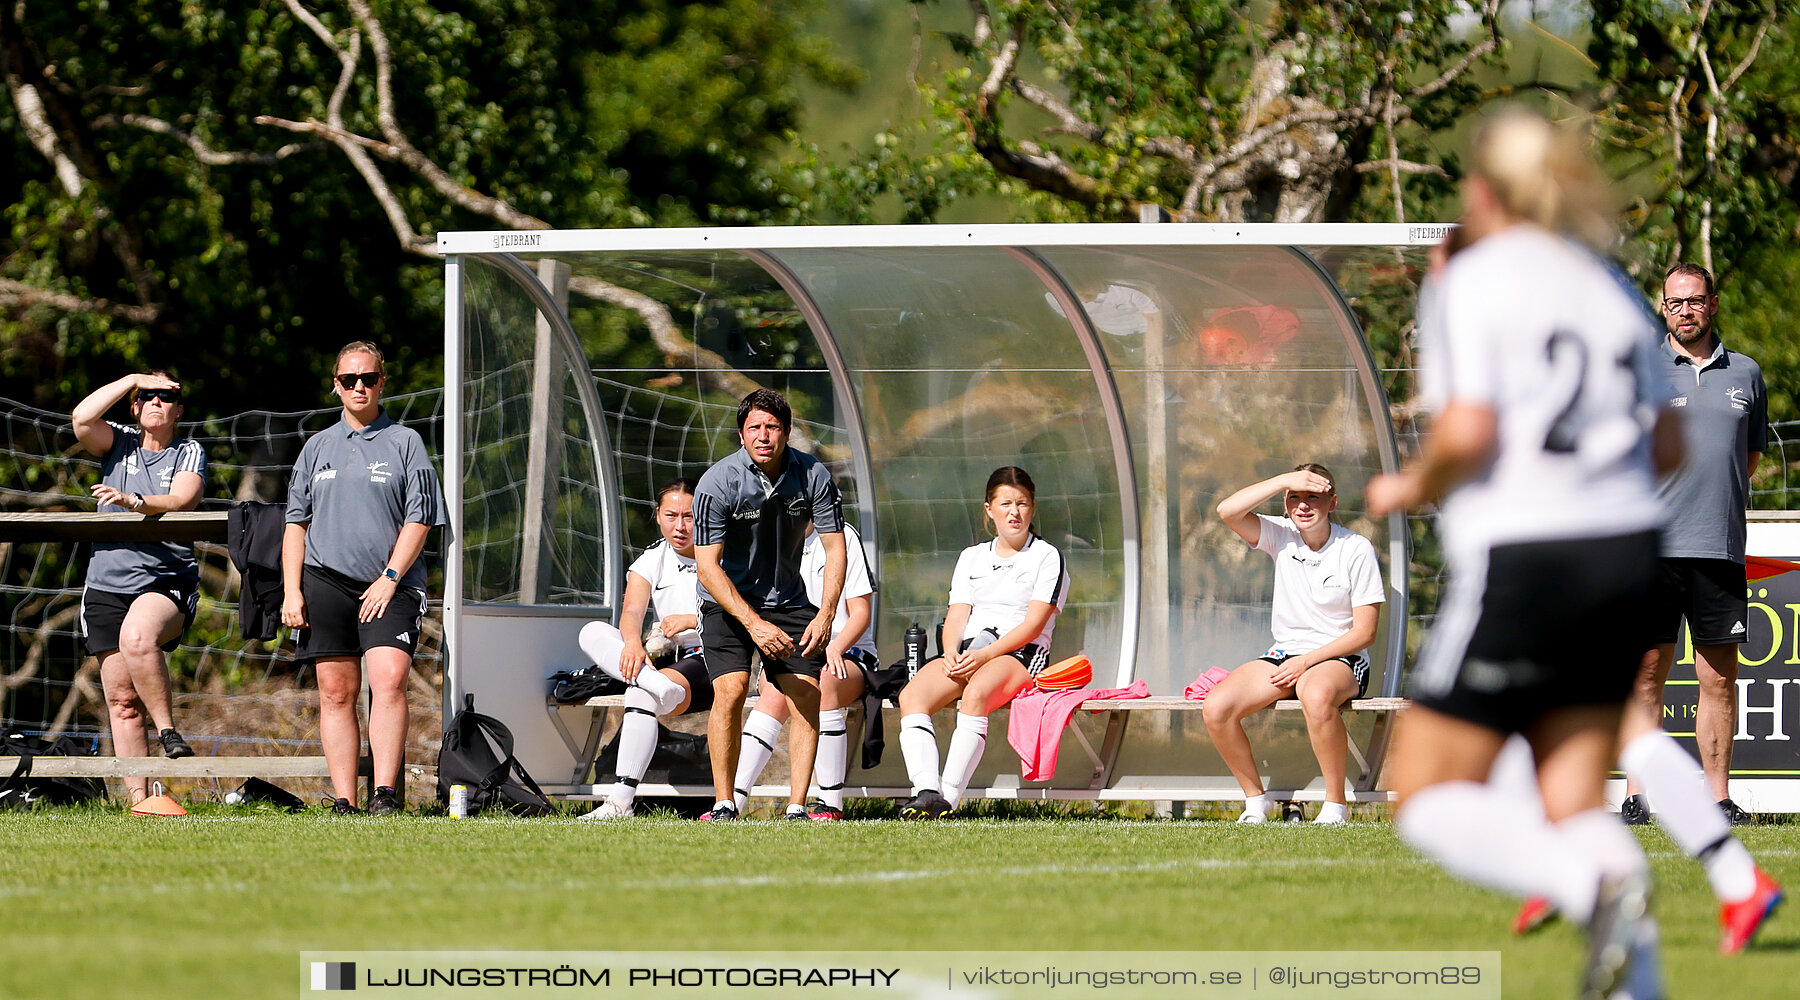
(166, 395)
(349, 379)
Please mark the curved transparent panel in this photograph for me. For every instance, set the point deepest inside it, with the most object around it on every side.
(962, 364)
(532, 495)
(1233, 364)
(673, 341)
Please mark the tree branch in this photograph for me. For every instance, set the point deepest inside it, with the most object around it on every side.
(202, 152)
(21, 295)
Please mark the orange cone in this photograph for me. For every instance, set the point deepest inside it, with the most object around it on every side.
(158, 805)
(1073, 672)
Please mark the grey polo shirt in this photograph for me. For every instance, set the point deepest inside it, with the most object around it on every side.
(355, 489)
(134, 567)
(1725, 411)
(763, 524)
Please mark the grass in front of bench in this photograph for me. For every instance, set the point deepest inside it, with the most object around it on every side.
(219, 905)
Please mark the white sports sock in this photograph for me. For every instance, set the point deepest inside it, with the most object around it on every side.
(1333, 812)
(918, 744)
(637, 744)
(966, 746)
(603, 644)
(1257, 806)
(1469, 829)
(754, 751)
(1514, 774)
(833, 759)
(1683, 807)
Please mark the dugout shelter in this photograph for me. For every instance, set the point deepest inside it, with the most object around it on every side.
(1140, 373)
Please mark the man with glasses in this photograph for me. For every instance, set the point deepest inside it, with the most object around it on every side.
(1725, 409)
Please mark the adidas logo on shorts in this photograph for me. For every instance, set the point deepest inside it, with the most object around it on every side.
(404, 637)
(1737, 628)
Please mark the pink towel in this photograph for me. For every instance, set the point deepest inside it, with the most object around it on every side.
(1208, 680)
(1035, 724)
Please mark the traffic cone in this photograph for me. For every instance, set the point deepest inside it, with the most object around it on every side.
(158, 804)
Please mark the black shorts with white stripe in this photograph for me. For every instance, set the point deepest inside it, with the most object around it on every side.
(1542, 626)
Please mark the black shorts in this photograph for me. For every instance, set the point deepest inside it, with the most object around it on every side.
(1359, 666)
(103, 612)
(1033, 657)
(1547, 625)
(333, 604)
(729, 647)
(1710, 594)
(693, 670)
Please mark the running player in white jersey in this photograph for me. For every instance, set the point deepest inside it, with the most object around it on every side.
(1004, 598)
(1550, 424)
(664, 579)
(849, 658)
(1328, 598)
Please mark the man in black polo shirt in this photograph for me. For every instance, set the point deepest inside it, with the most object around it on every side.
(750, 515)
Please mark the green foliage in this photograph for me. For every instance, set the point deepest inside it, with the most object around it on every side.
(583, 113)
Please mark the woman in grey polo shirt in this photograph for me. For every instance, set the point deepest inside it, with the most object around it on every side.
(363, 497)
(140, 596)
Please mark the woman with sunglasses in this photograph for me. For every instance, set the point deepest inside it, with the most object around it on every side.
(1328, 598)
(363, 498)
(140, 596)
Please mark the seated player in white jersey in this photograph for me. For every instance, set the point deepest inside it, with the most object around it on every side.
(848, 659)
(1004, 598)
(662, 578)
(1328, 598)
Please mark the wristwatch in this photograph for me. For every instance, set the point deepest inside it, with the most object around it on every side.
(137, 501)
(390, 574)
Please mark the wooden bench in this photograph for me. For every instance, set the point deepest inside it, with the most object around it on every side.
(162, 767)
(585, 744)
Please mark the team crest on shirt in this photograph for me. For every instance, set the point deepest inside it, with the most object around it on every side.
(1739, 399)
(377, 473)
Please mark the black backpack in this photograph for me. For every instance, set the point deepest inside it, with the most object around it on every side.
(680, 759)
(478, 752)
(20, 790)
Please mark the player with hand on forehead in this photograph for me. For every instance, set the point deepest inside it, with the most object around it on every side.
(140, 596)
(1328, 598)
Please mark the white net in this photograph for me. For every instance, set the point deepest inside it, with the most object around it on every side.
(231, 695)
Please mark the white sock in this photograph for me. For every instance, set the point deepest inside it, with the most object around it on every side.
(754, 751)
(918, 744)
(833, 759)
(966, 746)
(1514, 774)
(1256, 805)
(603, 644)
(1683, 807)
(1333, 812)
(637, 744)
(1468, 828)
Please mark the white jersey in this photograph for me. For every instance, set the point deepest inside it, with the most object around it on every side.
(1555, 341)
(674, 587)
(856, 582)
(1316, 593)
(999, 591)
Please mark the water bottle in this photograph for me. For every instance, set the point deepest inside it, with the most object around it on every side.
(915, 649)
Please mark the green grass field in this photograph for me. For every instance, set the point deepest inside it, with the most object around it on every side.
(218, 905)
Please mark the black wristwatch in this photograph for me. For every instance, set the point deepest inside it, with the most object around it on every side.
(390, 574)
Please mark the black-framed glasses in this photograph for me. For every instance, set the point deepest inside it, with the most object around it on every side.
(166, 395)
(349, 379)
(1691, 302)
